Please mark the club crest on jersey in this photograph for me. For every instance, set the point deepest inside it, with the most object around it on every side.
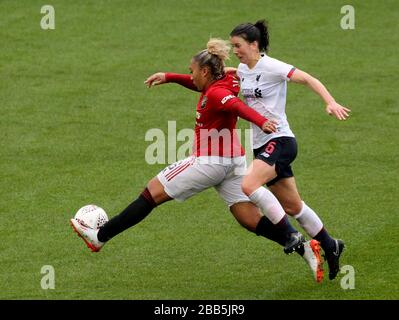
(203, 102)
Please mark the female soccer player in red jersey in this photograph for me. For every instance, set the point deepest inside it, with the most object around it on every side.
(263, 85)
(217, 161)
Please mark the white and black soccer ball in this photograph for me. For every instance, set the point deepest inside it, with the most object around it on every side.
(91, 216)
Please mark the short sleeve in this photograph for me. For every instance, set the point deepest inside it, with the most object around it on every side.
(280, 69)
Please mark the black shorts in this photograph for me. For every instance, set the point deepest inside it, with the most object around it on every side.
(280, 152)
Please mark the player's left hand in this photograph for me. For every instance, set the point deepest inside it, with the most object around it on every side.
(338, 111)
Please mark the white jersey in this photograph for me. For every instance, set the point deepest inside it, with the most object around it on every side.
(264, 88)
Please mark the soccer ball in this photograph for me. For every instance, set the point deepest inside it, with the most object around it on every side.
(91, 216)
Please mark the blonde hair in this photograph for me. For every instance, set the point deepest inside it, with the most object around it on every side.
(213, 56)
(218, 47)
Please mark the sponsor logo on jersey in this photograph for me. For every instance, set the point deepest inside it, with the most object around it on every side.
(251, 93)
(264, 154)
(227, 98)
(247, 93)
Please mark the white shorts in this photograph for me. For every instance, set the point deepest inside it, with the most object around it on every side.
(192, 175)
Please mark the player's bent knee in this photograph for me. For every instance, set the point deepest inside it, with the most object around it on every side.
(248, 187)
(157, 191)
(292, 209)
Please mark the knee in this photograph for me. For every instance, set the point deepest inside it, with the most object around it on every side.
(247, 187)
(152, 186)
(157, 191)
(293, 208)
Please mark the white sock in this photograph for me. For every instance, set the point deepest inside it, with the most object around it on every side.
(268, 204)
(309, 220)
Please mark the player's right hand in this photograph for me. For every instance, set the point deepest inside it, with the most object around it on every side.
(338, 111)
(156, 79)
(269, 126)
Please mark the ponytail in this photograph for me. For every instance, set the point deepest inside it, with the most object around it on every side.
(219, 48)
(261, 25)
(214, 56)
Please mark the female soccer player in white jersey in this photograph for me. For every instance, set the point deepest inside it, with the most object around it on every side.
(214, 162)
(264, 87)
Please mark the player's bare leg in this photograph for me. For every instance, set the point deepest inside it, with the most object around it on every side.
(287, 194)
(247, 215)
(157, 191)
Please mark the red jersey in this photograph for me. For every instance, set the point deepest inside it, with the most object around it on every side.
(216, 116)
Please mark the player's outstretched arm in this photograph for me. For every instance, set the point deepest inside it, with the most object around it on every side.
(158, 78)
(155, 79)
(332, 107)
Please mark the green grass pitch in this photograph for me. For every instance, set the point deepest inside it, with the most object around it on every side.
(74, 113)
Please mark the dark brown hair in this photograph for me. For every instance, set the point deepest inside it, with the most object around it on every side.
(253, 32)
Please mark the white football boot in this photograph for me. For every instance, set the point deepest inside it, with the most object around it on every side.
(313, 258)
(88, 235)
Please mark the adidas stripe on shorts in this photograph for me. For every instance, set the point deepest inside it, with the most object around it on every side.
(192, 175)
